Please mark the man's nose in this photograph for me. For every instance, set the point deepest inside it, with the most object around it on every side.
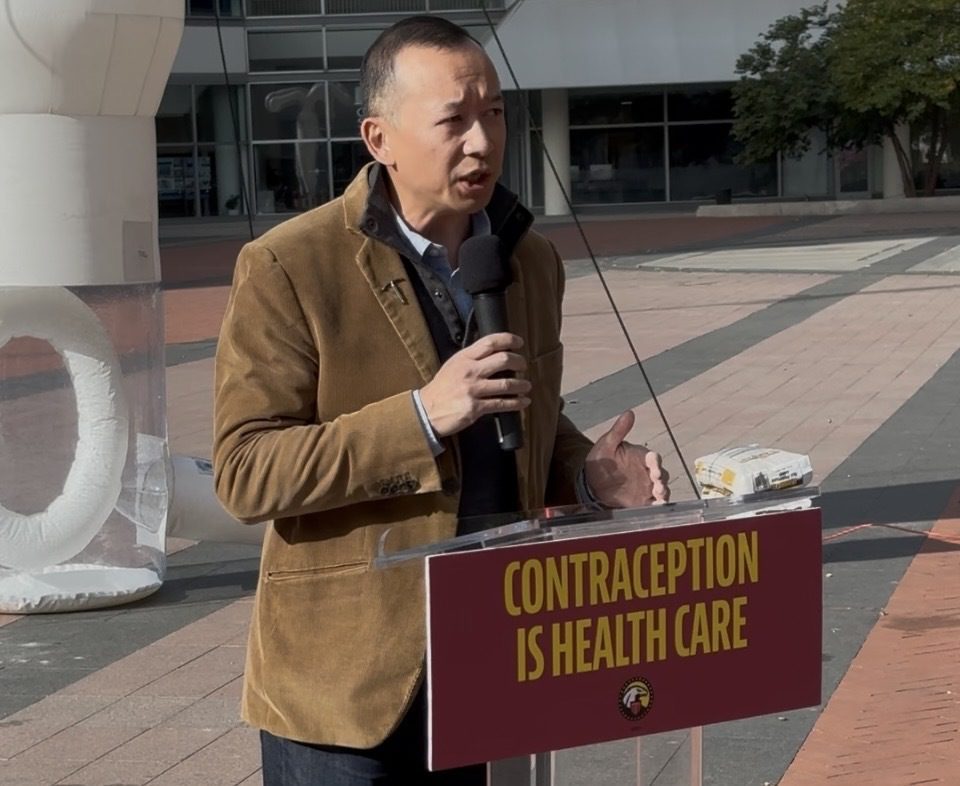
(477, 141)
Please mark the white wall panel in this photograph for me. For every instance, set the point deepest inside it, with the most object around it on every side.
(581, 43)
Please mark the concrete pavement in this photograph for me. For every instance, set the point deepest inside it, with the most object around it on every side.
(838, 337)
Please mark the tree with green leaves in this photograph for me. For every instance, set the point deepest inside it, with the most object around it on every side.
(900, 60)
(858, 74)
(784, 92)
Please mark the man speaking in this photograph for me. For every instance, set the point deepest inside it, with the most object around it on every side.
(352, 398)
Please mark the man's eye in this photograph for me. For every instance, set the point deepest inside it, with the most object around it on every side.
(452, 119)
(496, 111)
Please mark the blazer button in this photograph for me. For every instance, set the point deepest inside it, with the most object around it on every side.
(451, 486)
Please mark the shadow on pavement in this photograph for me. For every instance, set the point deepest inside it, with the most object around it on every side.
(892, 510)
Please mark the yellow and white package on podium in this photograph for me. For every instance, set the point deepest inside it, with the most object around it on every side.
(751, 470)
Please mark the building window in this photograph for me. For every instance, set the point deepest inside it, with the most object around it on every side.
(200, 170)
(702, 165)
(345, 109)
(807, 175)
(295, 110)
(292, 172)
(220, 115)
(621, 107)
(220, 163)
(465, 5)
(176, 193)
(347, 158)
(221, 170)
(284, 7)
(346, 47)
(287, 50)
(702, 149)
(950, 169)
(617, 165)
(693, 104)
(616, 146)
(175, 115)
(338, 7)
(291, 177)
(949, 174)
(210, 7)
(536, 186)
(376, 6)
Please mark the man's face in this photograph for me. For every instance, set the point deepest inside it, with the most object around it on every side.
(444, 131)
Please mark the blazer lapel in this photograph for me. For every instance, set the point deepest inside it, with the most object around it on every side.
(387, 277)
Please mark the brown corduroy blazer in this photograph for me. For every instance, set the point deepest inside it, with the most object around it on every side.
(315, 428)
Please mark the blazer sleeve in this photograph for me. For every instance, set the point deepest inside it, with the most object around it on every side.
(272, 459)
(571, 446)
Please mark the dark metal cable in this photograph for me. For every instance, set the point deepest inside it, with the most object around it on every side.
(235, 115)
(586, 243)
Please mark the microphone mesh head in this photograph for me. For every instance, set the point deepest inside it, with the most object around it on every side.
(482, 266)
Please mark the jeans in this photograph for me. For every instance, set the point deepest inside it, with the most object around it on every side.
(400, 760)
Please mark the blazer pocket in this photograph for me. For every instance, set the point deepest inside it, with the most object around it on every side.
(317, 572)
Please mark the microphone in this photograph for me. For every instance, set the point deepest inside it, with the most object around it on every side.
(485, 274)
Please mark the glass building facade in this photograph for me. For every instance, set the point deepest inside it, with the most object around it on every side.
(199, 164)
(285, 135)
(634, 144)
(300, 146)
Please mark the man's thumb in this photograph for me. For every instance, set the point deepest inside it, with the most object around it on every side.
(622, 426)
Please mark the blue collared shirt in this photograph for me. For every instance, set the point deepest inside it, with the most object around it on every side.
(434, 256)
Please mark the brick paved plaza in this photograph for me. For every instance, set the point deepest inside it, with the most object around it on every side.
(836, 337)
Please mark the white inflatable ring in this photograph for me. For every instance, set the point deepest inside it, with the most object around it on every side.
(93, 483)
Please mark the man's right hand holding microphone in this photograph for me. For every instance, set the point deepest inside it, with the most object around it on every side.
(618, 473)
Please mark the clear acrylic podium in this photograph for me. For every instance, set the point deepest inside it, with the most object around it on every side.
(668, 758)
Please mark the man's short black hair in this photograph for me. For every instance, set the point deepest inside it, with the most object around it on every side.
(376, 70)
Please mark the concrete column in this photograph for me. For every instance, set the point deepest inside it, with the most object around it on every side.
(892, 180)
(556, 140)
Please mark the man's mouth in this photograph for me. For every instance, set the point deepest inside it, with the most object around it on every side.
(478, 178)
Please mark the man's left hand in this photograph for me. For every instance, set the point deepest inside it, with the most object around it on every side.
(622, 475)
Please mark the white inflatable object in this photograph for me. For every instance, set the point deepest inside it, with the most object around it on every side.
(75, 587)
(92, 486)
(750, 470)
(80, 84)
(145, 496)
(197, 514)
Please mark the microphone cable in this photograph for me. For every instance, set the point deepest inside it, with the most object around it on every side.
(593, 259)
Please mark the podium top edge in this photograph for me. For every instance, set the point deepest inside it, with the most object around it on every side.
(551, 524)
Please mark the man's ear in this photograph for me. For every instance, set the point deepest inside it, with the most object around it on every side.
(374, 131)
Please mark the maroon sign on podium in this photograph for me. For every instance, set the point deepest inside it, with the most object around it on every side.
(551, 645)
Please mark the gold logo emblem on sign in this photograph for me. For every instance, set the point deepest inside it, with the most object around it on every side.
(636, 698)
